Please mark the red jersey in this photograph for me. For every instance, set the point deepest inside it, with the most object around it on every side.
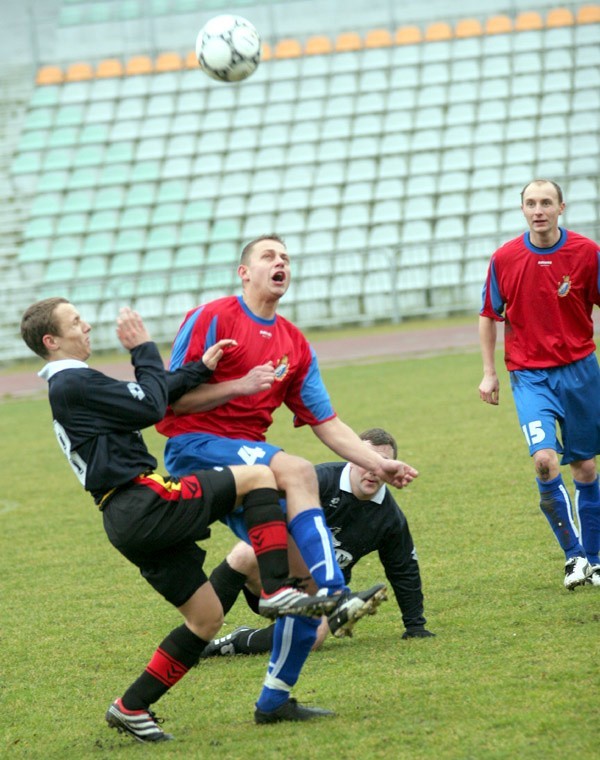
(546, 297)
(298, 382)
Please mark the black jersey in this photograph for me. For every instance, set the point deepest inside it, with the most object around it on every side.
(361, 527)
(97, 419)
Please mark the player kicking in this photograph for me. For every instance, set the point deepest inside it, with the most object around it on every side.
(154, 521)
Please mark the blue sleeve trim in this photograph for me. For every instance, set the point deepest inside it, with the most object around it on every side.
(314, 394)
(182, 341)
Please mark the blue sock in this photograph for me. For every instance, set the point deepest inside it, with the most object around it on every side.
(315, 543)
(556, 505)
(587, 505)
(293, 638)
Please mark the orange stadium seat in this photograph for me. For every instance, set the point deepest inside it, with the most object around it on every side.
(528, 20)
(49, 75)
(139, 64)
(288, 48)
(407, 35)
(318, 45)
(438, 31)
(498, 25)
(266, 52)
(77, 72)
(190, 61)
(376, 38)
(468, 27)
(348, 41)
(588, 14)
(168, 62)
(559, 17)
(109, 67)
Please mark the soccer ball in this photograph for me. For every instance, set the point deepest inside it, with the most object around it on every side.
(228, 48)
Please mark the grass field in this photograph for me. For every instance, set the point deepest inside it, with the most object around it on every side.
(512, 673)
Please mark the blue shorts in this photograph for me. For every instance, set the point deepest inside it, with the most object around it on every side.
(567, 398)
(195, 451)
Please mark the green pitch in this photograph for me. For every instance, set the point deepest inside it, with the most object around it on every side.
(512, 673)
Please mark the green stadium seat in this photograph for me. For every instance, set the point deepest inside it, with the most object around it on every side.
(114, 174)
(225, 229)
(258, 224)
(107, 219)
(100, 112)
(69, 115)
(141, 194)
(92, 267)
(125, 263)
(39, 118)
(62, 270)
(75, 92)
(135, 216)
(109, 198)
(166, 213)
(325, 195)
(98, 243)
(131, 239)
(217, 278)
(34, 140)
(290, 222)
(145, 171)
(27, 163)
(51, 181)
(298, 176)
(47, 95)
(172, 190)
(162, 237)
(158, 260)
(188, 257)
(66, 247)
(36, 250)
(47, 204)
(329, 173)
(224, 252)
(119, 152)
(39, 227)
(293, 199)
(71, 224)
(88, 155)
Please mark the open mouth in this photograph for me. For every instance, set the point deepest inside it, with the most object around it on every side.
(279, 277)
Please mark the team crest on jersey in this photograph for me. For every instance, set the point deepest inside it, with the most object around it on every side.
(564, 287)
(282, 368)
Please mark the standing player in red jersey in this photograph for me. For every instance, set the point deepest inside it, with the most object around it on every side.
(226, 423)
(544, 285)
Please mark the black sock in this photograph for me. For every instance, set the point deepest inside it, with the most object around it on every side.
(255, 641)
(179, 651)
(227, 584)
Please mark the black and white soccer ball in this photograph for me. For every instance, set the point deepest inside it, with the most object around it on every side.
(228, 48)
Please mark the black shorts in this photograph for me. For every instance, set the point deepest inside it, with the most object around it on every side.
(155, 522)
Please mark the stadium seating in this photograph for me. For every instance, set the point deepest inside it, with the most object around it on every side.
(394, 141)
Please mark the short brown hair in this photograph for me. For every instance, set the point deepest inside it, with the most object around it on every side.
(249, 246)
(39, 320)
(555, 185)
(380, 437)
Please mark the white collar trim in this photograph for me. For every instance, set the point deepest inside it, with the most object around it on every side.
(57, 366)
(346, 486)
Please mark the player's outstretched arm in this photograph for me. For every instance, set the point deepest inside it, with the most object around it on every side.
(341, 439)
